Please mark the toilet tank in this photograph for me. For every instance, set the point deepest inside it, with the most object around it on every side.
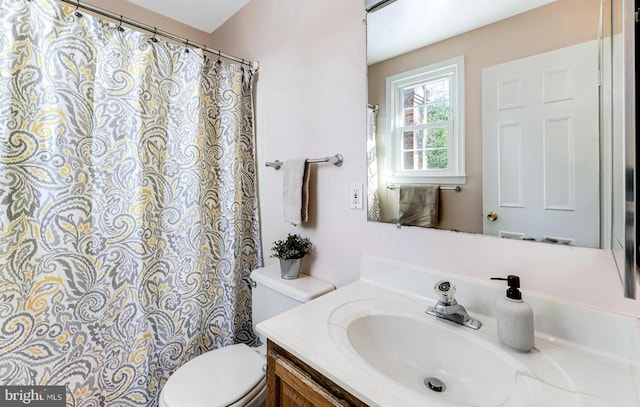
(272, 295)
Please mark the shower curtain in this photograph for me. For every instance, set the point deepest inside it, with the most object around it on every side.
(373, 201)
(128, 205)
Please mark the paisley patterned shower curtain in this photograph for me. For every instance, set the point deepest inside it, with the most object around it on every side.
(373, 201)
(128, 206)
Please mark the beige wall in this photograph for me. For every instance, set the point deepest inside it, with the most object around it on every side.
(310, 98)
(152, 19)
(557, 25)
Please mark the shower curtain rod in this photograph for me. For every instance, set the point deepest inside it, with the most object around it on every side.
(154, 30)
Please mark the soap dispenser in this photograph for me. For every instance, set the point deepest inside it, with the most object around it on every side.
(514, 317)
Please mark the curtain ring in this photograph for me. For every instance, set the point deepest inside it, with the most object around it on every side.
(219, 61)
(155, 31)
(120, 27)
(204, 50)
(77, 13)
(187, 46)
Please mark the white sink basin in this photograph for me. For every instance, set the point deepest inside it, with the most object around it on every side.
(408, 351)
(402, 343)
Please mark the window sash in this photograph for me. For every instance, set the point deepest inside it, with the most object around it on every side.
(453, 71)
(424, 129)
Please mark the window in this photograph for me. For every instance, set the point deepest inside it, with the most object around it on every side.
(426, 131)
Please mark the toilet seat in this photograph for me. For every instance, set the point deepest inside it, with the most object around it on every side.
(229, 376)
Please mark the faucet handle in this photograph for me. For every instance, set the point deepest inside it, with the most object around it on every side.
(446, 290)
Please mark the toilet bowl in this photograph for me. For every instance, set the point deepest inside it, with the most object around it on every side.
(235, 375)
(232, 376)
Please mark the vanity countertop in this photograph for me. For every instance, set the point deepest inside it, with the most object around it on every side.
(590, 376)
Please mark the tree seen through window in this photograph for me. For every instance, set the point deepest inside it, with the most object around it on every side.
(426, 114)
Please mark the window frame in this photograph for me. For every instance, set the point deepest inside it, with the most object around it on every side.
(455, 173)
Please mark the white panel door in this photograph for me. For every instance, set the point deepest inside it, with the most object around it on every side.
(540, 147)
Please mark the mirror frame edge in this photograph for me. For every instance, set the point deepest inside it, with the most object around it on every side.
(631, 268)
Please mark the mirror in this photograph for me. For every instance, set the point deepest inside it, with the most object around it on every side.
(492, 35)
(577, 193)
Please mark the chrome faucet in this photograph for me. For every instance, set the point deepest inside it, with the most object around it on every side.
(448, 308)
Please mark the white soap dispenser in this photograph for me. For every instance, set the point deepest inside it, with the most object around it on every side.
(514, 317)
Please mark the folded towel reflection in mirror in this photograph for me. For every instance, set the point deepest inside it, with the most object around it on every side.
(419, 205)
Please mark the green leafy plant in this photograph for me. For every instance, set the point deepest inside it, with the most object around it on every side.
(293, 247)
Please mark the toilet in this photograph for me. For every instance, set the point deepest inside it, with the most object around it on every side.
(235, 375)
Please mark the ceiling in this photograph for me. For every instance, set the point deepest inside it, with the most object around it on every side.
(416, 23)
(405, 25)
(205, 15)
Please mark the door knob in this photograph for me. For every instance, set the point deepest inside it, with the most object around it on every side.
(492, 216)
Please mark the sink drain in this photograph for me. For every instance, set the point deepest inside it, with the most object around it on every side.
(435, 384)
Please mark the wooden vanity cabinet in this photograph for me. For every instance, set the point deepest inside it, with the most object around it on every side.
(291, 382)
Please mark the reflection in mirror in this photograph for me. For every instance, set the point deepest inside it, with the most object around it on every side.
(531, 191)
(631, 270)
(542, 141)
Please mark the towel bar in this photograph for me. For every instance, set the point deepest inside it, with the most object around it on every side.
(456, 188)
(335, 160)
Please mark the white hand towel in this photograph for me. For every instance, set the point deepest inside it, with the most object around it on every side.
(295, 189)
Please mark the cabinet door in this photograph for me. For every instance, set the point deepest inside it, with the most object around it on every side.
(290, 386)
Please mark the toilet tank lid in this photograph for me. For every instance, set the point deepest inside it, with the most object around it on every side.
(302, 289)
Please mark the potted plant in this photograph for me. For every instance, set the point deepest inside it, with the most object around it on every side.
(290, 251)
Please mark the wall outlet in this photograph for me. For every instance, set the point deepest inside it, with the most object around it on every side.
(355, 196)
